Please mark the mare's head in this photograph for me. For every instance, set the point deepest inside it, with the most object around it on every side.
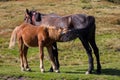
(33, 17)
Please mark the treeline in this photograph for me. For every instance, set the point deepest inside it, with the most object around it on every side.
(115, 1)
(10, 0)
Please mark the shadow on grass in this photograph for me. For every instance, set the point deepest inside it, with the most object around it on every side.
(77, 72)
(111, 71)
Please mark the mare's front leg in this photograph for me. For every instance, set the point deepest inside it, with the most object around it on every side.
(41, 57)
(89, 53)
(55, 55)
(96, 52)
(55, 68)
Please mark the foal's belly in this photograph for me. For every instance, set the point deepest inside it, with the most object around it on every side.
(30, 41)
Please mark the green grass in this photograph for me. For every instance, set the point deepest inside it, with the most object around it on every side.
(72, 56)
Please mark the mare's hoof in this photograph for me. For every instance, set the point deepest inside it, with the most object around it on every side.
(98, 71)
(88, 72)
(51, 70)
(57, 71)
(28, 69)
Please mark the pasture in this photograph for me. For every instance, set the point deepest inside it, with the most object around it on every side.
(72, 56)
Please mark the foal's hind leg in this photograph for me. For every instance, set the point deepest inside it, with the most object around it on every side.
(23, 53)
(96, 52)
(55, 55)
(22, 61)
(20, 44)
(89, 52)
(25, 49)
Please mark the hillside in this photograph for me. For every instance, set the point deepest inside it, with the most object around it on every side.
(72, 56)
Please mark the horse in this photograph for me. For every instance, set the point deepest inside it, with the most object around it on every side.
(29, 19)
(83, 24)
(29, 35)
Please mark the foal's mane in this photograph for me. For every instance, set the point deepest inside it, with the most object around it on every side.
(54, 32)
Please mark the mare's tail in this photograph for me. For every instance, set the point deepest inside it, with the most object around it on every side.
(91, 20)
(13, 38)
(92, 27)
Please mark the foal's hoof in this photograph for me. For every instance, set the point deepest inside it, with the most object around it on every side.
(42, 70)
(88, 72)
(22, 69)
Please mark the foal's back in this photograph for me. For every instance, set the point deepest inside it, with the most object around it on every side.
(32, 35)
(29, 34)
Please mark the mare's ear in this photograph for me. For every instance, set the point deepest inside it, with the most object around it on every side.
(38, 18)
(69, 19)
(70, 24)
(27, 11)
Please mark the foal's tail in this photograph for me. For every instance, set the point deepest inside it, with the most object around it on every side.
(13, 38)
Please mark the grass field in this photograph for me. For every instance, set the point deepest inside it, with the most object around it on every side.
(72, 56)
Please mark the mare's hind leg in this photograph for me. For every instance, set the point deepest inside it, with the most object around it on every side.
(55, 55)
(89, 53)
(25, 49)
(55, 68)
(96, 52)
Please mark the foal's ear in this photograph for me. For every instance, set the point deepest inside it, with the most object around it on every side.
(27, 11)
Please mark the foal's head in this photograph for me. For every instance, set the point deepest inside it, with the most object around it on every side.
(33, 17)
(56, 32)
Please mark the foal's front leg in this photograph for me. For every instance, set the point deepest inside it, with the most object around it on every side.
(41, 58)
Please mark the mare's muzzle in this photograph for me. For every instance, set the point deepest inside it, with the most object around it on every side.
(69, 35)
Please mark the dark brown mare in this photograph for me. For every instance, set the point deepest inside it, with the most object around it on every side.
(28, 35)
(82, 25)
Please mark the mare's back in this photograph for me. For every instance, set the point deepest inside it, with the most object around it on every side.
(80, 21)
(56, 21)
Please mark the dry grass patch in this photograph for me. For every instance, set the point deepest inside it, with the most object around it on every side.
(113, 43)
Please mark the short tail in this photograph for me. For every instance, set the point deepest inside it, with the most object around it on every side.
(91, 20)
(13, 38)
(92, 27)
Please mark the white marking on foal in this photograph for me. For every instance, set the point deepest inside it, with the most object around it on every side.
(42, 70)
